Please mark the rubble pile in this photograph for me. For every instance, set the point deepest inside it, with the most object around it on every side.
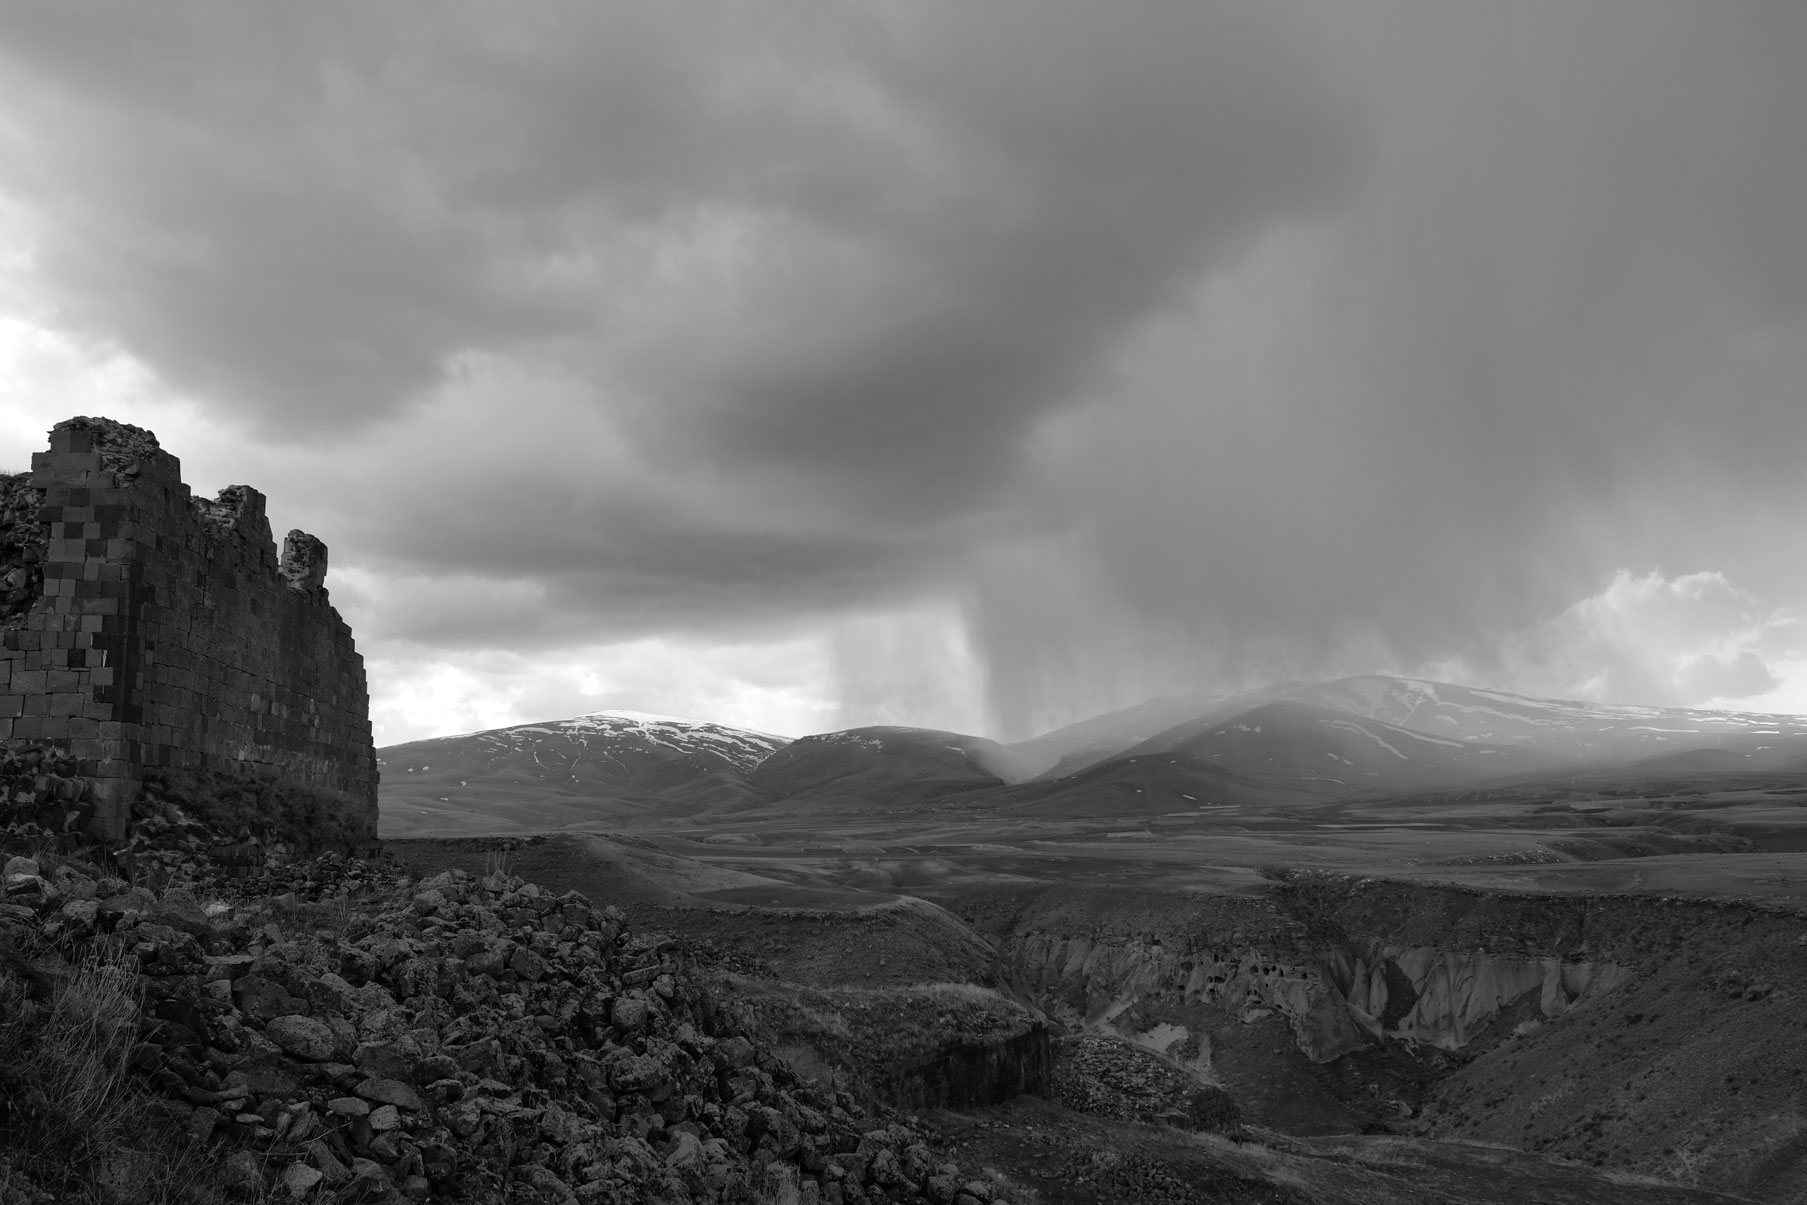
(338, 1031)
(23, 546)
(47, 804)
(43, 798)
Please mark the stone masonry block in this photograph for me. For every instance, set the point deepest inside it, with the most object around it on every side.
(64, 468)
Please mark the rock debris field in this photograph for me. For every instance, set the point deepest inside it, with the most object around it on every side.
(341, 1032)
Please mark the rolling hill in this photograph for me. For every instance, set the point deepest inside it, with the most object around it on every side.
(1322, 751)
(605, 768)
(899, 764)
(1137, 788)
(1068, 750)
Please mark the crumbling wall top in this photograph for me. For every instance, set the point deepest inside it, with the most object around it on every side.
(303, 564)
(238, 508)
(122, 446)
(105, 452)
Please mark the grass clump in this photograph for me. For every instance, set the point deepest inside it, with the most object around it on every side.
(75, 1126)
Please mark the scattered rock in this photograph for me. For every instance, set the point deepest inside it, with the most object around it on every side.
(303, 1037)
(414, 1051)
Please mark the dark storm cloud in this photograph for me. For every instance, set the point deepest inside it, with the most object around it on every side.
(814, 275)
(1560, 334)
(309, 212)
(1189, 344)
(1084, 164)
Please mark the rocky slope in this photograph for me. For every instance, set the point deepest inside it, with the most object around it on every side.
(342, 1032)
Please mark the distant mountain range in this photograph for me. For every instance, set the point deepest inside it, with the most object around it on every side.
(1298, 742)
(1572, 731)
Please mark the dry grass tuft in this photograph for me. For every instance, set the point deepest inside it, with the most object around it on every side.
(74, 1124)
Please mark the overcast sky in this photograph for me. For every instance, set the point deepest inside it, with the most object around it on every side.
(799, 364)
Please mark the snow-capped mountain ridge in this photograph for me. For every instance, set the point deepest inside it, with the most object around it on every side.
(1288, 740)
(741, 748)
(1484, 714)
(605, 764)
(1355, 736)
(1570, 728)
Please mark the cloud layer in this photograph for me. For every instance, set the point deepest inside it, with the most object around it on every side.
(1031, 357)
(1558, 333)
(825, 274)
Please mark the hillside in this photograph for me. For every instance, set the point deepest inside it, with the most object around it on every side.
(1567, 729)
(602, 769)
(1321, 751)
(1583, 731)
(339, 1031)
(901, 764)
(1070, 749)
(1124, 788)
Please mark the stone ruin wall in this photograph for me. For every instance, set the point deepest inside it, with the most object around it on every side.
(168, 633)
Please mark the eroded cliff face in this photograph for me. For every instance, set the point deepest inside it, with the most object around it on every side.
(1335, 997)
(1659, 1035)
(1686, 1060)
(1441, 997)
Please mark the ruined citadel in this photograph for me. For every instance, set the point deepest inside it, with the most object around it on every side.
(145, 630)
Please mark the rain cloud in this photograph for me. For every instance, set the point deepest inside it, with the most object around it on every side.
(1039, 356)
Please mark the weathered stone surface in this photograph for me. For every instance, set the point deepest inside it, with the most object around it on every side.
(263, 1000)
(391, 1092)
(735, 1052)
(532, 1083)
(527, 965)
(303, 1037)
(299, 1179)
(384, 1060)
(629, 1014)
